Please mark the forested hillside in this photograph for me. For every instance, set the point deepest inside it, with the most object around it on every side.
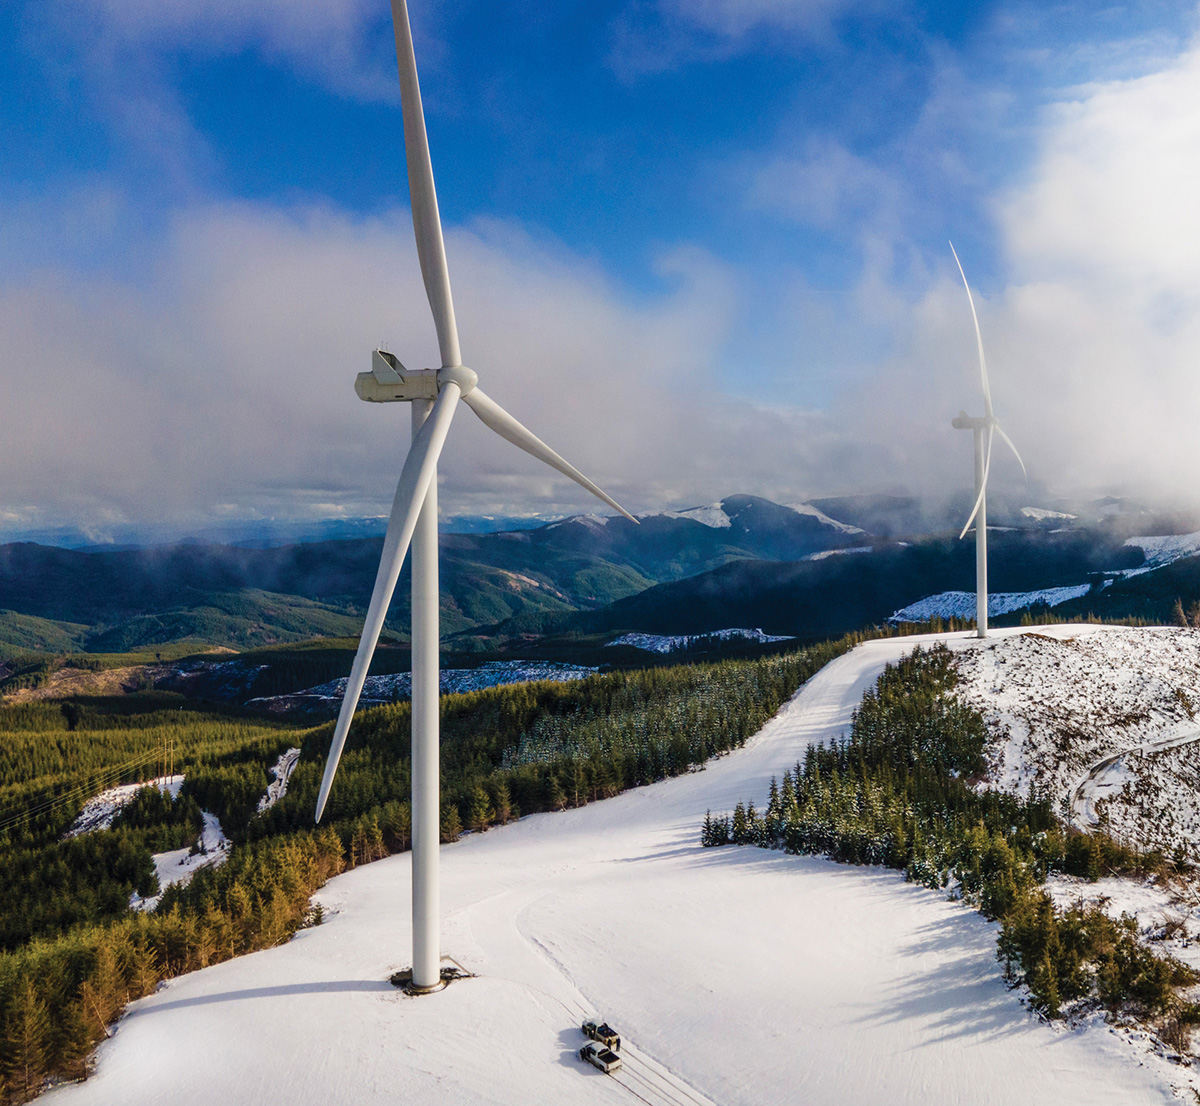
(76, 954)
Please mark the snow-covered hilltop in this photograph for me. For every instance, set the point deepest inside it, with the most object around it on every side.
(671, 643)
(961, 604)
(1103, 720)
(734, 976)
(387, 689)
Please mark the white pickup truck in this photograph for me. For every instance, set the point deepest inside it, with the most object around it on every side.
(600, 1056)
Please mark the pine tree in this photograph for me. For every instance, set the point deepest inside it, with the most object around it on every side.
(555, 798)
(481, 814)
(27, 1029)
(739, 825)
(451, 823)
(358, 845)
(502, 801)
(375, 847)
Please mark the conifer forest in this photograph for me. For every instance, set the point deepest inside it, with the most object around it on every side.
(72, 951)
(902, 790)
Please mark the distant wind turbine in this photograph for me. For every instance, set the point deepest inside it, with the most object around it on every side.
(983, 463)
(434, 395)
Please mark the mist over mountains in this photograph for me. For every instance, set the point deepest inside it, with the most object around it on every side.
(806, 570)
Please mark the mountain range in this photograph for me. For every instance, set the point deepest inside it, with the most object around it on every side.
(808, 570)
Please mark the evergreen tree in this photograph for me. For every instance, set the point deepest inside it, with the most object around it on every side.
(501, 800)
(451, 823)
(27, 1029)
(481, 814)
(375, 848)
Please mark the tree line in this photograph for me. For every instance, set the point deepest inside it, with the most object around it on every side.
(900, 791)
(506, 751)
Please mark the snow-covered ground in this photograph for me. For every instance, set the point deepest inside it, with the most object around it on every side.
(824, 519)
(282, 771)
(961, 604)
(100, 810)
(824, 554)
(179, 865)
(1041, 514)
(661, 643)
(1106, 723)
(751, 977)
(712, 515)
(387, 689)
(1165, 549)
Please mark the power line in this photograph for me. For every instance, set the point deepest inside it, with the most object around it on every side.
(99, 782)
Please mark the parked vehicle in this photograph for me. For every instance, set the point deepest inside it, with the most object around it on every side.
(604, 1033)
(600, 1056)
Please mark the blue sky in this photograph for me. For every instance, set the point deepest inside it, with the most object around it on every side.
(700, 242)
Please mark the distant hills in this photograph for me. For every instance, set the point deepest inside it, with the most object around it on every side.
(808, 570)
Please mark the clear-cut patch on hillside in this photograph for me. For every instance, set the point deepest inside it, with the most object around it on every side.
(961, 604)
(1104, 723)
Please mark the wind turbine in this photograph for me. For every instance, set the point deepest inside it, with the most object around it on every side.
(434, 395)
(988, 425)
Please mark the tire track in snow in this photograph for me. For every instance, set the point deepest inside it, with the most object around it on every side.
(1087, 792)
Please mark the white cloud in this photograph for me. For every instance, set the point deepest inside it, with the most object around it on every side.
(1104, 307)
(345, 44)
(222, 379)
(1112, 200)
(825, 186)
(654, 35)
(736, 18)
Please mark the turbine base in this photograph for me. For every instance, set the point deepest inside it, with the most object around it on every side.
(403, 979)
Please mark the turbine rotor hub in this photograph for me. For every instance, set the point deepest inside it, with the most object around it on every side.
(465, 378)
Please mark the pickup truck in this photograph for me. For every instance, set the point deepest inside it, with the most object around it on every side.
(600, 1056)
(604, 1033)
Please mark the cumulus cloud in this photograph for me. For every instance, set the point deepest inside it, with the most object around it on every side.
(344, 44)
(1104, 307)
(824, 186)
(221, 381)
(653, 35)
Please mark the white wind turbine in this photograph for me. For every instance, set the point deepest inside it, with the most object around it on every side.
(434, 394)
(983, 463)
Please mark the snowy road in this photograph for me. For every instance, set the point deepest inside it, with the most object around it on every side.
(1108, 775)
(739, 976)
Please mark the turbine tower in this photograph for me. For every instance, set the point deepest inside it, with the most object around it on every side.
(985, 426)
(434, 395)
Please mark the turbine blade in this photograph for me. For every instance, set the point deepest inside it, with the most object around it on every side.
(1009, 443)
(987, 465)
(493, 416)
(987, 391)
(431, 249)
(420, 467)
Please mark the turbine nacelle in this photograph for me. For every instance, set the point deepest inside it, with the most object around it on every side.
(390, 382)
(963, 421)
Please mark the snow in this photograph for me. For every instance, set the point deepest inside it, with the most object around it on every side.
(1041, 514)
(100, 810)
(387, 689)
(179, 865)
(661, 643)
(837, 552)
(750, 976)
(961, 604)
(824, 519)
(592, 521)
(1165, 549)
(282, 771)
(1084, 715)
(713, 515)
